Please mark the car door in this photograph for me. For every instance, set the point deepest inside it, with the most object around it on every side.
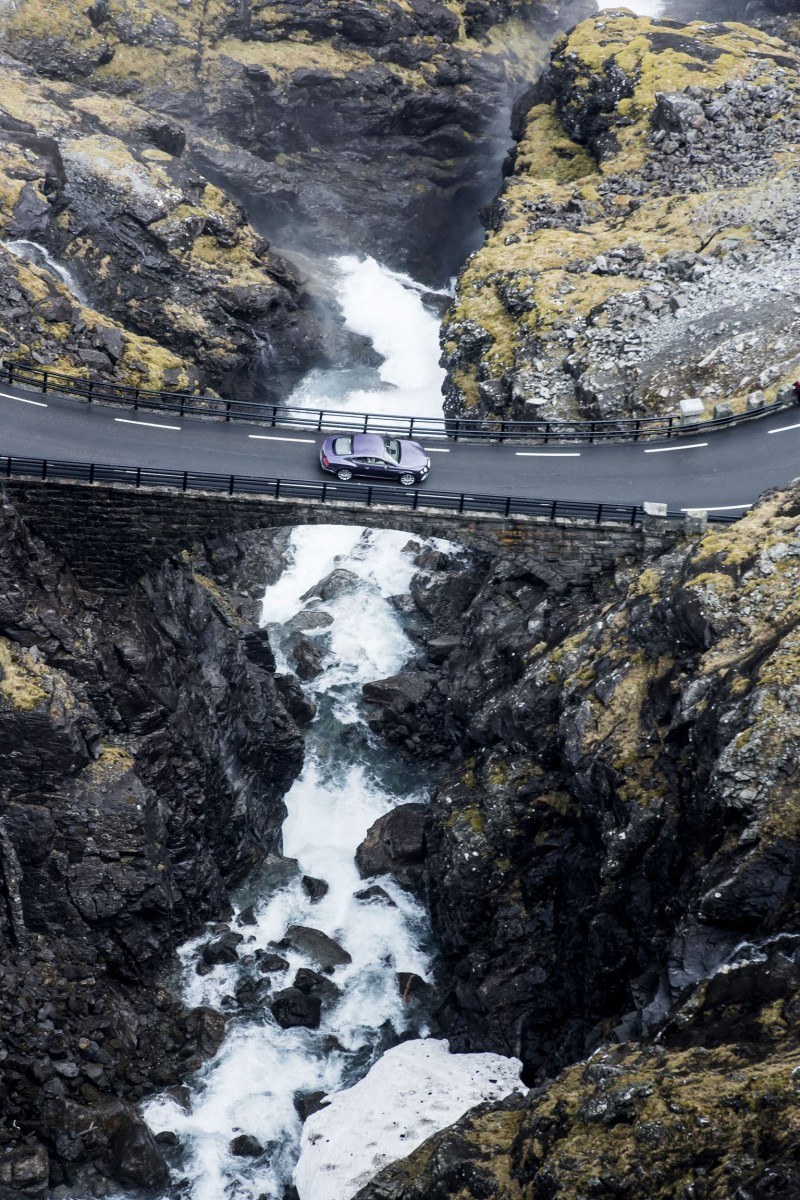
(363, 466)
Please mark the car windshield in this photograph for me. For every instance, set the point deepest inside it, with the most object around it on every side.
(343, 446)
(392, 448)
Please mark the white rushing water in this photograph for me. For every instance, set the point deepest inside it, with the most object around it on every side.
(387, 308)
(347, 783)
(32, 252)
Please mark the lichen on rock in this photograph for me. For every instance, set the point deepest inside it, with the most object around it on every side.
(653, 203)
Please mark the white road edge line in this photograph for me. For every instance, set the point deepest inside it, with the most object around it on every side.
(717, 508)
(544, 454)
(783, 428)
(149, 424)
(667, 449)
(264, 437)
(20, 400)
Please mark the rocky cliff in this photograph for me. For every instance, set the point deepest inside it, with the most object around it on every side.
(611, 857)
(175, 287)
(145, 751)
(368, 126)
(644, 248)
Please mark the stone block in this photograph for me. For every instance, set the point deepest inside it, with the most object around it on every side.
(695, 521)
(756, 400)
(722, 410)
(691, 409)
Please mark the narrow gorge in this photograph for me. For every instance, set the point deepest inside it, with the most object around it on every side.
(341, 863)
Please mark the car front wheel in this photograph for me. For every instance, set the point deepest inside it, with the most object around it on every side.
(344, 475)
(407, 480)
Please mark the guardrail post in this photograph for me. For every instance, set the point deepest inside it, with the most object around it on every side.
(136, 400)
(274, 415)
(695, 521)
(231, 485)
(138, 476)
(599, 517)
(185, 481)
(183, 405)
(654, 518)
(369, 496)
(91, 473)
(508, 505)
(461, 503)
(277, 489)
(44, 381)
(416, 500)
(44, 468)
(10, 372)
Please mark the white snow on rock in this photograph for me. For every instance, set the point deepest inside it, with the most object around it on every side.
(412, 1092)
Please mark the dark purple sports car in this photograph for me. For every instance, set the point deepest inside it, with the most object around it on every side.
(375, 456)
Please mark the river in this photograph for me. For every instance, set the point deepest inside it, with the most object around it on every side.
(349, 780)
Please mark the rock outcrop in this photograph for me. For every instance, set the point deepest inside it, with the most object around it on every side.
(644, 248)
(612, 870)
(369, 126)
(173, 286)
(144, 756)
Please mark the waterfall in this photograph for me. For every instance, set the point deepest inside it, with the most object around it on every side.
(35, 254)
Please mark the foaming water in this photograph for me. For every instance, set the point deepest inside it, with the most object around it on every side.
(32, 252)
(387, 308)
(347, 783)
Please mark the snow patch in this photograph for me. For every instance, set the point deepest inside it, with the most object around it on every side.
(412, 1092)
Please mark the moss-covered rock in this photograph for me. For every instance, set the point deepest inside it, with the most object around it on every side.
(191, 294)
(652, 203)
(369, 126)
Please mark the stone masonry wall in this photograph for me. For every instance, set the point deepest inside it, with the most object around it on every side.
(112, 535)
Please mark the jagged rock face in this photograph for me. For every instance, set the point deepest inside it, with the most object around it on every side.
(625, 814)
(614, 860)
(145, 753)
(193, 295)
(372, 126)
(644, 248)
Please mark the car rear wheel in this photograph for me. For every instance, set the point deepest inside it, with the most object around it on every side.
(407, 480)
(344, 475)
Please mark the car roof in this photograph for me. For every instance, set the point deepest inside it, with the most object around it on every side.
(369, 443)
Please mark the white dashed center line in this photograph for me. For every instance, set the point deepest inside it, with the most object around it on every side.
(435, 450)
(264, 437)
(545, 454)
(667, 449)
(148, 424)
(717, 508)
(20, 400)
(783, 428)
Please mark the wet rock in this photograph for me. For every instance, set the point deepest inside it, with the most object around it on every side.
(298, 705)
(412, 987)
(317, 945)
(269, 963)
(208, 1027)
(223, 949)
(395, 845)
(377, 893)
(315, 889)
(245, 1146)
(308, 619)
(336, 583)
(308, 657)
(24, 1170)
(247, 916)
(311, 983)
(292, 1009)
(308, 1103)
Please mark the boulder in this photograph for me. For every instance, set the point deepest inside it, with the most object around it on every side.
(293, 1009)
(327, 953)
(315, 889)
(245, 1146)
(334, 584)
(308, 657)
(395, 845)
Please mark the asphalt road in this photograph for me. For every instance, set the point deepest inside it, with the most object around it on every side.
(722, 471)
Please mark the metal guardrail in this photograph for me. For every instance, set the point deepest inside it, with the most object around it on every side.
(184, 404)
(56, 470)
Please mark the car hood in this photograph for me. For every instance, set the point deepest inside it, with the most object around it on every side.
(412, 455)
